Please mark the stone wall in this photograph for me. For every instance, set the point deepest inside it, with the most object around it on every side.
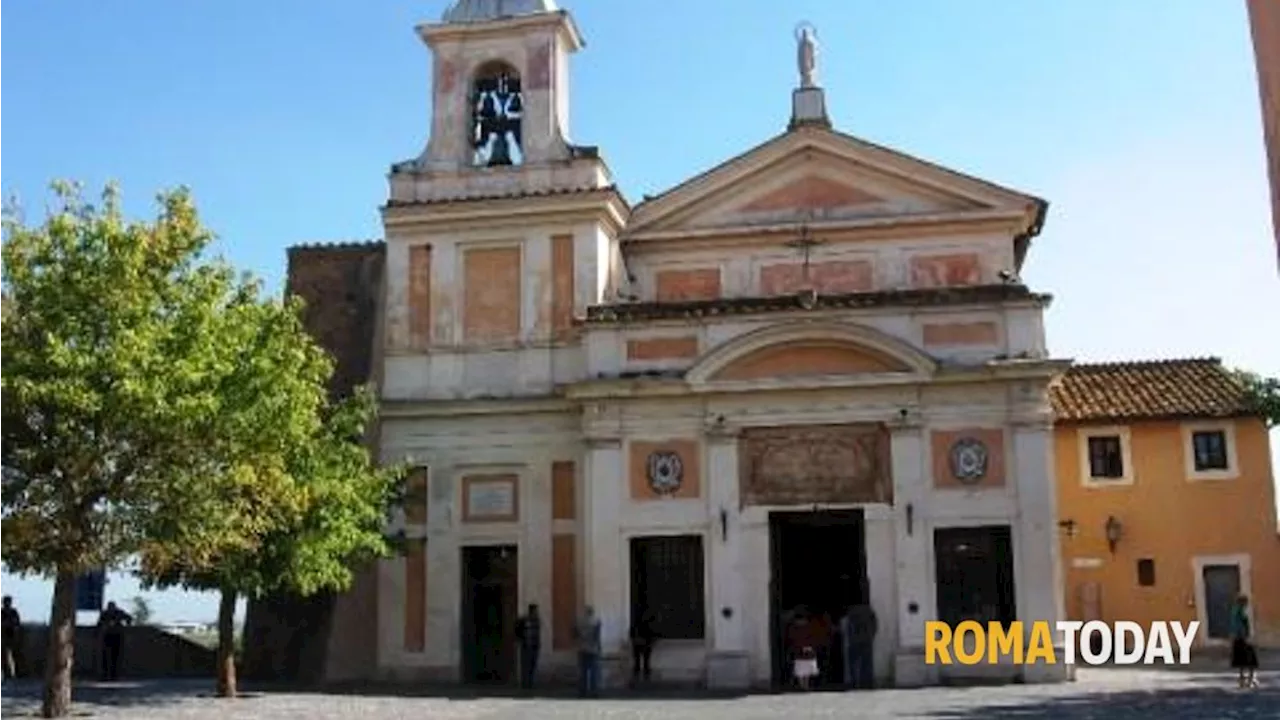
(147, 652)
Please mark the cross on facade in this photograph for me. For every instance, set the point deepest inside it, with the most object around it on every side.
(805, 244)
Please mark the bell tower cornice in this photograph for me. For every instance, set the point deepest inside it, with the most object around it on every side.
(434, 34)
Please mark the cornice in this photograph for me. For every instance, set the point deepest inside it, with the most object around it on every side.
(993, 371)
(605, 205)
(437, 32)
(850, 229)
(417, 409)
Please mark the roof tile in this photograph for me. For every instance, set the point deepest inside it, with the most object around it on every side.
(1148, 390)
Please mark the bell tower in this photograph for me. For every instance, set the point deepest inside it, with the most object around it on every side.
(499, 104)
(501, 232)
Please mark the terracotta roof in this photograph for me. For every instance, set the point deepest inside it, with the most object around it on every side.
(1147, 390)
(550, 192)
(632, 312)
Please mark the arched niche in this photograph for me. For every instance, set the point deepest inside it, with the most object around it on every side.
(497, 109)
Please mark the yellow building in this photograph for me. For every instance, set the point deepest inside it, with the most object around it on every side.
(1166, 503)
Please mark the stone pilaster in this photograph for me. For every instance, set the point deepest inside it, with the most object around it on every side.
(727, 663)
(912, 548)
(1038, 573)
(604, 559)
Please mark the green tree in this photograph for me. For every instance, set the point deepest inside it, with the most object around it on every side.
(339, 524)
(141, 610)
(148, 399)
(1262, 395)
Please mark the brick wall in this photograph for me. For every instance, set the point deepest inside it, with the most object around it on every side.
(340, 285)
(294, 639)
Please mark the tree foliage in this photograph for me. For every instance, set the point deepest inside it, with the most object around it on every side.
(156, 405)
(1262, 394)
(112, 382)
(336, 520)
(140, 608)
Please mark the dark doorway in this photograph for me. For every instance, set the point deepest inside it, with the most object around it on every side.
(1221, 588)
(490, 593)
(818, 562)
(974, 572)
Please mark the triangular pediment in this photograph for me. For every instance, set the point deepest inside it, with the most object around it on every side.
(817, 174)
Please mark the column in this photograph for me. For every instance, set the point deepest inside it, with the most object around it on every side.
(604, 561)
(727, 660)
(1038, 574)
(912, 547)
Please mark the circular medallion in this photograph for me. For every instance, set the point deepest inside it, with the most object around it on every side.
(666, 472)
(968, 460)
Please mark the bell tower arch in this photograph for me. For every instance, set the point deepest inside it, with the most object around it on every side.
(500, 85)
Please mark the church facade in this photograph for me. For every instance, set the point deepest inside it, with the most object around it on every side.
(806, 378)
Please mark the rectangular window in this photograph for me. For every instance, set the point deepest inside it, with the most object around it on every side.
(667, 581)
(1146, 572)
(1210, 448)
(1106, 460)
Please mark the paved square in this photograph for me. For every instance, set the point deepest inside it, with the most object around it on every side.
(1107, 694)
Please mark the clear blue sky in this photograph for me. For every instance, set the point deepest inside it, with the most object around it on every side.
(1139, 121)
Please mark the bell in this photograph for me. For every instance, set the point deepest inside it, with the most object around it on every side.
(488, 109)
(501, 153)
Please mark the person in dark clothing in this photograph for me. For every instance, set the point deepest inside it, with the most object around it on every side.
(1244, 656)
(643, 637)
(858, 632)
(529, 635)
(12, 637)
(111, 624)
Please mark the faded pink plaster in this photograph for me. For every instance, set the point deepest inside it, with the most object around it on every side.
(539, 72)
(835, 276)
(946, 270)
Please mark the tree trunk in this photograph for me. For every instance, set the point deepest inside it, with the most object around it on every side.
(62, 637)
(227, 644)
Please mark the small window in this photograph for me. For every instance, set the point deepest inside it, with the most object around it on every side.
(1146, 572)
(1210, 449)
(1105, 457)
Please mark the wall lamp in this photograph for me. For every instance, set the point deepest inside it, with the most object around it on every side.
(1114, 532)
(1069, 527)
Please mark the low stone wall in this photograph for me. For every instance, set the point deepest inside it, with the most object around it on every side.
(147, 652)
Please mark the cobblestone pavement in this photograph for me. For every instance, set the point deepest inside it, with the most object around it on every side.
(1109, 694)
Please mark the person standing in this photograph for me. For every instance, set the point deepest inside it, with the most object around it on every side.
(858, 632)
(1244, 657)
(529, 635)
(643, 637)
(111, 624)
(12, 638)
(587, 635)
(802, 646)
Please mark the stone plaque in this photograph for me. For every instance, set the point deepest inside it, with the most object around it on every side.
(815, 464)
(490, 497)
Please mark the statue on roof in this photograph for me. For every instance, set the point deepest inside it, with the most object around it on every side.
(807, 54)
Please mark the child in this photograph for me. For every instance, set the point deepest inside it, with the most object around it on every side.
(806, 668)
